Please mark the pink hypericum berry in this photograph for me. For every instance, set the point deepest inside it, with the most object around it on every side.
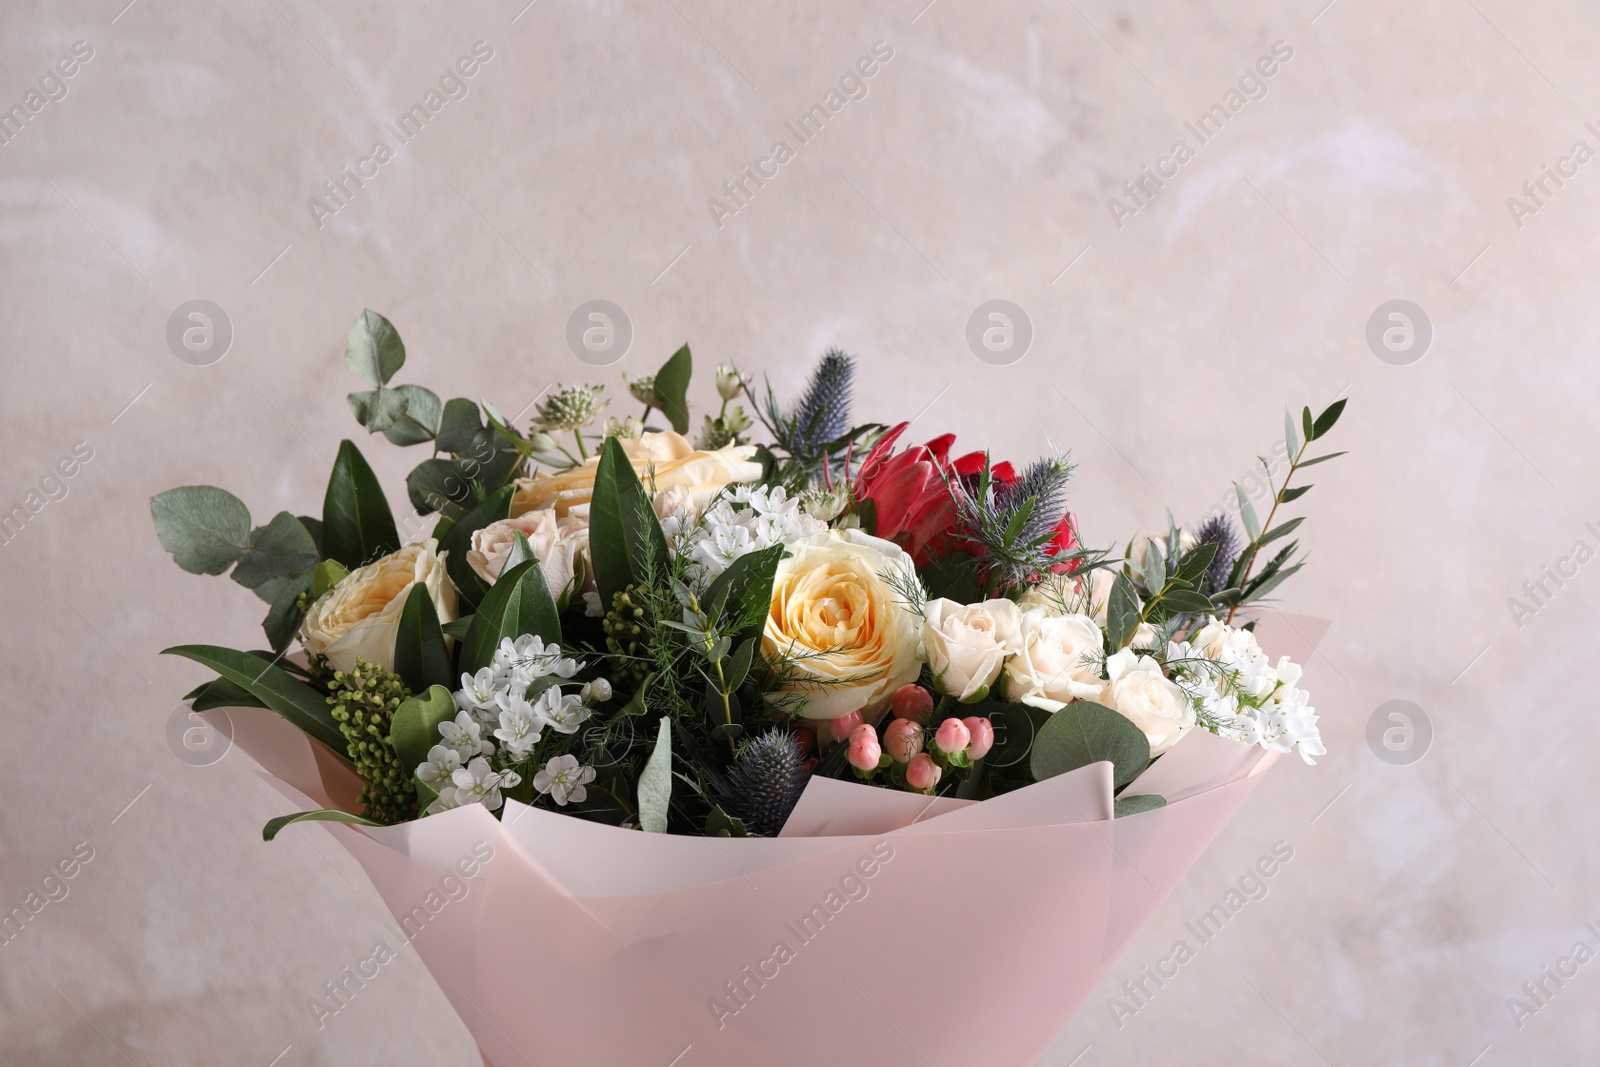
(912, 702)
(952, 736)
(865, 753)
(922, 774)
(982, 731)
(840, 728)
(902, 740)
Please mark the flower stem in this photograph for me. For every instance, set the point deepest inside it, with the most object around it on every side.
(577, 435)
(1255, 547)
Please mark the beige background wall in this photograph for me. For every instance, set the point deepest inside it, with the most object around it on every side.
(978, 166)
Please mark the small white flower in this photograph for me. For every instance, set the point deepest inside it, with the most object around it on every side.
(477, 783)
(442, 762)
(528, 658)
(521, 727)
(564, 780)
(591, 605)
(564, 713)
(465, 735)
(446, 801)
(741, 521)
(478, 691)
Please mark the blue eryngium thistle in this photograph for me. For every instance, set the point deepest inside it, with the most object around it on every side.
(1013, 557)
(766, 781)
(1218, 531)
(823, 413)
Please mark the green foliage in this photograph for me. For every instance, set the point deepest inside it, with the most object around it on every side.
(1084, 732)
(415, 726)
(458, 540)
(625, 538)
(374, 350)
(672, 387)
(518, 603)
(275, 687)
(275, 826)
(357, 525)
(364, 703)
(421, 658)
(655, 783)
(1138, 803)
(204, 528)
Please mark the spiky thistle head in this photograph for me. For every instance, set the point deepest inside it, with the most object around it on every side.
(766, 781)
(1013, 521)
(1218, 531)
(569, 407)
(823, 412)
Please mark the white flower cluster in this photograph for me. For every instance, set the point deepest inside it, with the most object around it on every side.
(515, 699)
(1240, 695)
(744, 520)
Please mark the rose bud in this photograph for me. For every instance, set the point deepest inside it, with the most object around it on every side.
(840, 728)
(912, 702)
(982, 731)
(922, 774)
(902, 740)
(865, 753)
(806, 738)
(952, 736)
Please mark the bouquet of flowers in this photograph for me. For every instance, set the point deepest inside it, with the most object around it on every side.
(618, 649)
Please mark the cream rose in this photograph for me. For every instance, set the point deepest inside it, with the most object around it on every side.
(674, 462)
(1055, 594)
(561, 546)
(358, 617)
(849, 638)
(1149, 699)
(1056, 661)
(967, 645)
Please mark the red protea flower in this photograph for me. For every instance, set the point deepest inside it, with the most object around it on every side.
(1063, 543)
(911, 493)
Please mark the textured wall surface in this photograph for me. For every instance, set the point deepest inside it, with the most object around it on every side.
(1375, 164)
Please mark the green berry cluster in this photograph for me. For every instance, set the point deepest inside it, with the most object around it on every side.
(364, 703)
(628, 626)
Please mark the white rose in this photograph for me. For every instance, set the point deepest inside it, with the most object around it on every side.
(561, 546)
(1056, 661)
(848, 638)
(1148, 698)
(1141, 545)
(358, 617)
(1057, 594)
(968, 645)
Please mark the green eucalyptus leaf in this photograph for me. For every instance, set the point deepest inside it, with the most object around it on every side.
(284, 617)
(203, 527)
(1193, 563)
(1084, 732)
(421, 657)
(1138, 803)
(739, 666)
(1280, 530)
(304, 706)
(373, 349)
(672, 388)
(1293, 494)
(655, 783)
(459, 425)
(357, 525)
(275, 826)
(280, 549)
(1306, 425)
(1154, 569)
(720, 824)
(1322, 459)
(377, 409)
(1247, 515)
(1185, 600)
(1290, 439)
(419, 422)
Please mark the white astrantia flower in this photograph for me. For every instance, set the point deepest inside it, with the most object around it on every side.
(442, 762)
(478, 783)
(744, 520)
(521, 726)
(564, 779)
(465, 735)
(564, 713)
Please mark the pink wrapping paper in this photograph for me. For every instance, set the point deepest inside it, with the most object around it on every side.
(880, 928)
